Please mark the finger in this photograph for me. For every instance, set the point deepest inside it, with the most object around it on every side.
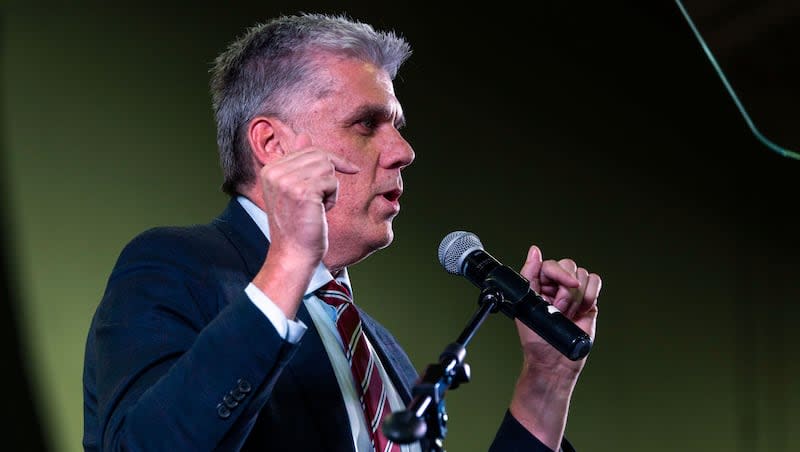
(322, 176)
(330, 196)
(553, 273)
(577, 297)
(343, 165)
(307, 164)
(564, 299)
(307, 174)
(562, 284)
(533, 265)
(302, 140)
(593, 286)
(568, 265)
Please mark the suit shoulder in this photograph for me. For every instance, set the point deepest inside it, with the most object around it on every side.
(175, 244)
(177, 236)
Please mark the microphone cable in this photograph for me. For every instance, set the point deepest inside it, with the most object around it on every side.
(767, 142)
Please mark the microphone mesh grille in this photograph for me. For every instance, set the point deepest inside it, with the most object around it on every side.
(454, 247)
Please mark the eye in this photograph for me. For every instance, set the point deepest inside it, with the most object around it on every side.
(369, 120)
(369, 123)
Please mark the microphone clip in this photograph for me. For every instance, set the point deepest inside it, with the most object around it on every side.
(492, 297)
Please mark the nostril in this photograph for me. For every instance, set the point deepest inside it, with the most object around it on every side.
(393, 195)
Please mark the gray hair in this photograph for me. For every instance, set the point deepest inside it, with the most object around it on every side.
(271, 67)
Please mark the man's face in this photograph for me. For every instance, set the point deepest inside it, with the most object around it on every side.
(359, 119)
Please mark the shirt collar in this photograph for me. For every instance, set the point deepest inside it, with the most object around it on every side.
(321, 274)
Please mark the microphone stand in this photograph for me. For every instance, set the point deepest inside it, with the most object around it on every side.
(425, 416)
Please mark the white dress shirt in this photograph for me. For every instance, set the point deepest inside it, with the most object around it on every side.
(324, 317)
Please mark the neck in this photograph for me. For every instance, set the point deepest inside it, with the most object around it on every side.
(335, 272)
(254, 194)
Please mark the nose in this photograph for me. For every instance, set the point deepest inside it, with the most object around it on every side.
(398, 153)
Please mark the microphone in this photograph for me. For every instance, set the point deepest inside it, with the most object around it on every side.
(462, 253)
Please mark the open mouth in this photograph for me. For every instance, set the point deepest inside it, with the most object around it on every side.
(393, 195)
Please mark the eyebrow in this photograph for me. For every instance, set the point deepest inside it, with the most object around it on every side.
(376, 110)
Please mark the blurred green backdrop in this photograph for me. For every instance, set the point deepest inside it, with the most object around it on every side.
(597, 132)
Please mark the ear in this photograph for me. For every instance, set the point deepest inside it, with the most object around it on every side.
(265, 134)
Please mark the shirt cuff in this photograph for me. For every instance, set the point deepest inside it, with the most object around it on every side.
(289, 330)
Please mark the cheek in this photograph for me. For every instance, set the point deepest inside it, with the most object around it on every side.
(347, 203)
(354, 189)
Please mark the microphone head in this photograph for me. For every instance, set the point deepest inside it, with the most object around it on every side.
(455, 247)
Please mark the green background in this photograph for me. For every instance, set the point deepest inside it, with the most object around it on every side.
(597, 132)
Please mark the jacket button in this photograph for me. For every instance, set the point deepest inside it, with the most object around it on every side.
(223, 411)
(237, 394)
(229, 402)
(244, 385)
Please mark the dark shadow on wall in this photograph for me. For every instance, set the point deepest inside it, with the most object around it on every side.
(23, 426)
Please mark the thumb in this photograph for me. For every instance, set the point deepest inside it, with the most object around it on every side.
(532, 267)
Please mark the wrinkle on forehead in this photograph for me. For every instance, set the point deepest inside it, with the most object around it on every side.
(361, 87)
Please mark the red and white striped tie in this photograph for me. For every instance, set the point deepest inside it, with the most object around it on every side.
(374, 399)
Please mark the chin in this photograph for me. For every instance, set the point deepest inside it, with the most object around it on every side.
(381, 240)
(357, 247)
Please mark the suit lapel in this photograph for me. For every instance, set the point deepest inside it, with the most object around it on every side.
(244, 235)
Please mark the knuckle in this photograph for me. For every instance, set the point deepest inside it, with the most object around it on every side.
(568, 263)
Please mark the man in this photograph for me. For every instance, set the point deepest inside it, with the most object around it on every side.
(221, 336)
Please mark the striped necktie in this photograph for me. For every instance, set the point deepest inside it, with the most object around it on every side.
(363, 364)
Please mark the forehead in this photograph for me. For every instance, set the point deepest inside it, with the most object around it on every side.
(352, 85)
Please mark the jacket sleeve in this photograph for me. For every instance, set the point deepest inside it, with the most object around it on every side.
(180, 364)
(513, 437)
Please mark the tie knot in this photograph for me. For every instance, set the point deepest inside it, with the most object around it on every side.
(334, 293)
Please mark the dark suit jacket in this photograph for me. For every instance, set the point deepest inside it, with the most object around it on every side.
(179, 359)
